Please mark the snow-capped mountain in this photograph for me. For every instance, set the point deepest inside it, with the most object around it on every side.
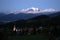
(25, 13)
(31, 10)
(35, 10)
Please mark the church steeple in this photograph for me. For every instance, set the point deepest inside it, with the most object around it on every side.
(14, 28)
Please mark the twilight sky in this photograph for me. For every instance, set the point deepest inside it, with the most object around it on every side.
(21, 4)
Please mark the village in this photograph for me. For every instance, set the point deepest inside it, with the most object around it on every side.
(30, 30)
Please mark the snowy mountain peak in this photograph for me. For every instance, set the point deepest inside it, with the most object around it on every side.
(31, 10)
(37, 10)
(34, 10)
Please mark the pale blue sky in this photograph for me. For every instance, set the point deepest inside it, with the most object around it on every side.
(20, 4)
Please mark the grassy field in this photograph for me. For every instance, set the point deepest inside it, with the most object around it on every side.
(41, 36)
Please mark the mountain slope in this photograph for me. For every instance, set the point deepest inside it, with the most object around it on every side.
(2, 14)
(42, 20)
(19, 16)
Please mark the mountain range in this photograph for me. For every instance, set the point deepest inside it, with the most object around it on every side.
(25, 14)
(37, 21)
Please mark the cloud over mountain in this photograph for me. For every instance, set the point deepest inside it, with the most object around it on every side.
(49, 10)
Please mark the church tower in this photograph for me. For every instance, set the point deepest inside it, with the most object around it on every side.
(14, 28)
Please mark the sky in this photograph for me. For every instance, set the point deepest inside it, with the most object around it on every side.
(9, 5)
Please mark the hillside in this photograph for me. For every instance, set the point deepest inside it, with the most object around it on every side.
(49, 24)
(42, 20)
